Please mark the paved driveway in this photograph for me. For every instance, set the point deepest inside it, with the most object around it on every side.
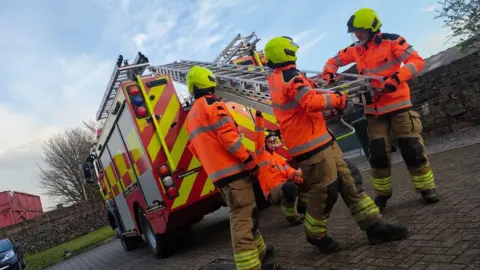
(445, 235)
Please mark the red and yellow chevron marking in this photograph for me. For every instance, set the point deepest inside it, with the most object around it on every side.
(247, 126)
(165, 103)
(112, 180)
(104, 187)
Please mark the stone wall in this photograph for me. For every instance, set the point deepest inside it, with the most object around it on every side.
(57, 226)
(448, 97)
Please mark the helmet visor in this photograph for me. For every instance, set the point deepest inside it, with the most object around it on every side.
(360, 37)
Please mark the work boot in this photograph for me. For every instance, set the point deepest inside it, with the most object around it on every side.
(269, 253)
(381, 202)
(383, 232)
(297, 220)
(270, 266)
(301, 209)
(430, 196)
(325, 245)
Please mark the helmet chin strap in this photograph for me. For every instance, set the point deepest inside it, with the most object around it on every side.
(197, 93)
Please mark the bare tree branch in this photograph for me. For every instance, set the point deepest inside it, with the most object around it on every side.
(63, 155)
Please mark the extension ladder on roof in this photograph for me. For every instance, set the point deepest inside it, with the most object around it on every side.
(239, 46)
(120, 74)
(249, 87)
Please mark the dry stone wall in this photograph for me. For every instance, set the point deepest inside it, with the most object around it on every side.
(448, 97)
(56, 227)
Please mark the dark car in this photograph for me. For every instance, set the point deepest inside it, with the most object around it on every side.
(11, 256)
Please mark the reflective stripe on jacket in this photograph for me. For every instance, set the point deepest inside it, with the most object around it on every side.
(382, 56)
(215, 140)
(298, 109)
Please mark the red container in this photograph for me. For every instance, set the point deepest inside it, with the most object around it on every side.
(16, 207)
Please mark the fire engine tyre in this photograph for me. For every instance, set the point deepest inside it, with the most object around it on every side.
(156, 243)
(129, 243)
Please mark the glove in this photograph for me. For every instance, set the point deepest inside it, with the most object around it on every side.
(251, 166)
(314, 83)
(258, 113)
(391, 83)
(343, 101)
(327, 77)
(297, 179)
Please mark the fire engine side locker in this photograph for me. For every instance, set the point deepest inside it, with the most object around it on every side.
(142, 168)
(120, 201)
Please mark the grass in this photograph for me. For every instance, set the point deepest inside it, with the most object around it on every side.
(36, 261)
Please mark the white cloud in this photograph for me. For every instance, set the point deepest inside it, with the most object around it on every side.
(431, 8)
(310, 43)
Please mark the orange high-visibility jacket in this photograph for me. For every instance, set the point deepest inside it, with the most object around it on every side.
(274, 169)
(298, 109)
(215, 140)
(382, 56)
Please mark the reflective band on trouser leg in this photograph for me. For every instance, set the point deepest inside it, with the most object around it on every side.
(315, 228)
(382, 186)
(423, 182)
(365, 211)
(303, 198)
(289, 209)
(247, 260)
(261, 247)
(243, 223)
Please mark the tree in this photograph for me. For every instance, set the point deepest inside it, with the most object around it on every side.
(62, 177)
(93, 125)
(463, 17)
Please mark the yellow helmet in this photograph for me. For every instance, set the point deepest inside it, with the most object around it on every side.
(280, 50)
(364, 19)
(200, 78)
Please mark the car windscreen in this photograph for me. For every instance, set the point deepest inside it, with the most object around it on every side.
(4, 245)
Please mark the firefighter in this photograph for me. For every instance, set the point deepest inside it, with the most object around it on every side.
(216, 142)
(280, 183)
(380, 54)
(298, 110)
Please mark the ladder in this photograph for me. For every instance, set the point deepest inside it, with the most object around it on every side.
(120, 74)
(247, 85)
(239, 46)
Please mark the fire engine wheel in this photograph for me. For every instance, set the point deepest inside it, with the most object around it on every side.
(129, 243)
(157, 243)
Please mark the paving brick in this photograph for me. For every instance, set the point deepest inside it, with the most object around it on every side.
(468, 256)
(444, 266)
(459, 248)
(430, 250)
(437, 258)
(426, 243)
(445, 235)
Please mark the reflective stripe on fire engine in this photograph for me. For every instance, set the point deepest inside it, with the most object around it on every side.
(164, 102)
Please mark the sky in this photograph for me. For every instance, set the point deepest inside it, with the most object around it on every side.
(58, 55)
